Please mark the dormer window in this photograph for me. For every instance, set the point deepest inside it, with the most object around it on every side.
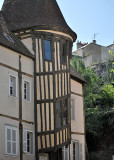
(8, 38)
(47, 45)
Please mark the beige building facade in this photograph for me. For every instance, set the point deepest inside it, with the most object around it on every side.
(77, 147)
(35, 83)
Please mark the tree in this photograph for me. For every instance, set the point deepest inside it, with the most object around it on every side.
(98, 101)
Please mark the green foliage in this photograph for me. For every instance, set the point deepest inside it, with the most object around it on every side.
(99, 121)
(107, 95)
(98, 101)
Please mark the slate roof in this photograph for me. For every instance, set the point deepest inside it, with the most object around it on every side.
(15, 44)
(76, 76)
(41, 14)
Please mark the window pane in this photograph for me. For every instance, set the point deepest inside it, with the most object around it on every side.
(65, 118)
(8, 134)
(14, 148)
(26, 90)
(12, 86)
(8, 147)
(47, 50)
(13, 135)
(58, 120)
(58, 105)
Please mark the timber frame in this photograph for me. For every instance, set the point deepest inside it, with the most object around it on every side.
(52, 85)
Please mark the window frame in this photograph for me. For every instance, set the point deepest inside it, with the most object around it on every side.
(64, 150)
(8, 37)
(11, 128)
(24, 80)
(60, 112)
(49, 60)
(75, 141)
(15, 85)
(25, 151)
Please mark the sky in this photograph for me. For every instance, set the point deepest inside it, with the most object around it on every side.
(89, 17)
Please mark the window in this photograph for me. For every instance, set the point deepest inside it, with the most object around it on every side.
(8, 38)
(10, 140)
(75, 151)
(73, 108)
(65, 152)
(26, 90)
(47, 45)
(28, 141)
(12, 85)
(61, 113)
(64, 54)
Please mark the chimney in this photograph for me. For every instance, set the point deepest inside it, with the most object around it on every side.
(94, 41)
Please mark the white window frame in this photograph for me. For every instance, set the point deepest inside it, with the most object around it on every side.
(74, 99)
(25, 142)
(24, 80)
(15, 85)
(64, 150)
(75, 141)
(11, 128)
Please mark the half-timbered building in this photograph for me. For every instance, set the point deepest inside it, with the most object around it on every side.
(35, 55)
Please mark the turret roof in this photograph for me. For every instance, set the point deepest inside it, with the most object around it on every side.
(41, 14)
(9, 40)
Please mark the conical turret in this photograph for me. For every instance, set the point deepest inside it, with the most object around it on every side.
(41, 14)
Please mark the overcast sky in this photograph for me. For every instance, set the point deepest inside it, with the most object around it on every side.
(89, 17)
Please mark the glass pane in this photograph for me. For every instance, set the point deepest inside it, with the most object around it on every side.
(63, 155)
(28, 148)
(13, 135)
(47, 50)
(8, 134)
(14, 148)
(66, 155)
(63, 60)
(64, 118)
(74, 146)
(58, 106)
(58, 120)
(8, 147)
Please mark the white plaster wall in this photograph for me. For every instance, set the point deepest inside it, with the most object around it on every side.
(28, 43)
(78, 125)
(9, 57)
(8, 104)
(76, 87)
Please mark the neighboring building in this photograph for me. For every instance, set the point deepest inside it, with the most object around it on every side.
(16, 97)
(94, 55)
(76, 151)
(35, 84)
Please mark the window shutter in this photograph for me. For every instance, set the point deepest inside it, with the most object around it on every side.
(66, 153)
(24, 141)
(80, 151)
(14, 149)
